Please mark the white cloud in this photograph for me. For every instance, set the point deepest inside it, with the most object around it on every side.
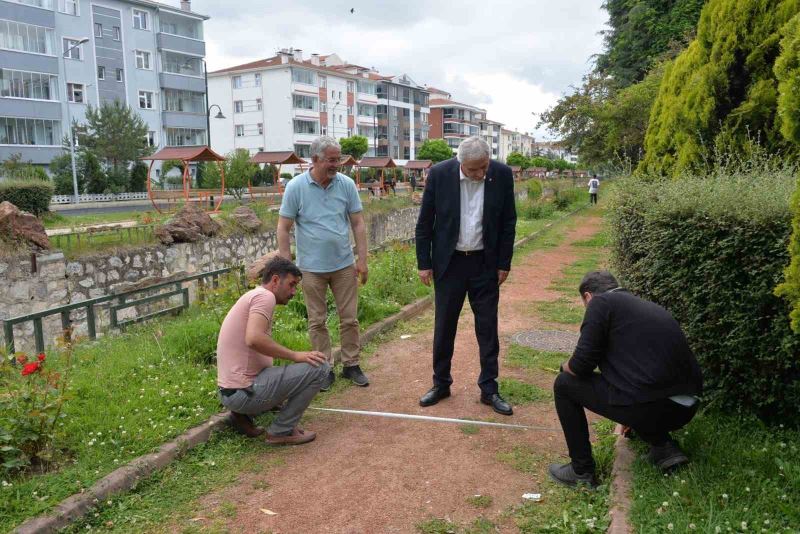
(512, 58)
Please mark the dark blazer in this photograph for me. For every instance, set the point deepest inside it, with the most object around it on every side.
(440, 217)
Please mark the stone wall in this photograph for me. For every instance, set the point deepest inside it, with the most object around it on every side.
(50, 280)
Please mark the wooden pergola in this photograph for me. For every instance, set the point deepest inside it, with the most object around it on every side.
(419, 168)
(273, 158)
(375, 163)
(186, 155)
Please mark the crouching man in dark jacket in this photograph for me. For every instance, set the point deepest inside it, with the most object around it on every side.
(649, 379)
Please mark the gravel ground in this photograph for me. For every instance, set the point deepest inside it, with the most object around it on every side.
(550, 340)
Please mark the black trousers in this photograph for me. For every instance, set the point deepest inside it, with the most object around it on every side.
(593, 198)
(652, 421)
(466, 276)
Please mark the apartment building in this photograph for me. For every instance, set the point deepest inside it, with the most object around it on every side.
(284, 102)
(146, 54)
(513, 141)
(490, 132)
(454, 121)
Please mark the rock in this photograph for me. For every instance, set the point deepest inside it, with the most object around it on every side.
(188, 226)
(255, 269)
(246, 218)
(21, 226)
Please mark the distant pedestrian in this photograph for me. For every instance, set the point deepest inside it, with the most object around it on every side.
(594, 185)
(413, 181)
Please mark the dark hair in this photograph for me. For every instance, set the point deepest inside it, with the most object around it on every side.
(597, 282)
(280, 266)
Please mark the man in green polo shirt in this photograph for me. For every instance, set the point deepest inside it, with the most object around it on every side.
(323, 204)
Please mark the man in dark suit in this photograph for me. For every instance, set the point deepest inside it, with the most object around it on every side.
(465, 240)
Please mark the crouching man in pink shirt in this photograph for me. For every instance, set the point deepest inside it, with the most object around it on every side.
(248, 382)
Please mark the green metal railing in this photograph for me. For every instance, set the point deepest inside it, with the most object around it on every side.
(122, 301)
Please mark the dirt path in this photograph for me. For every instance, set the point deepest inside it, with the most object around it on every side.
(376, 475)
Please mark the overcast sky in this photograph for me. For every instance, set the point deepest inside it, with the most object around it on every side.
(511, 58)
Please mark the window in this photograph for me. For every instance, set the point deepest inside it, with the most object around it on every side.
(32, 85)
(308, 77)
(142, 60)
(306, 127)
(333, 93)
(75, 92)
(74, 53)
(323, 81)
(369, 88)
(119, 75)
(140, 19)
(185, 137)
(349, 132)
(257, 80)
(324, 130)
(239, 130)
(178, 63)
(117, 33)
(304, 151)
(46, 4)
(367, 110)
(351, 87)
(101, 72)
(304, 102)
(340, 119)
(183, 101)
(98, 30)
(70, 7)
(151, 139)
(258, 104)
(237, 106)
(323, 106)
(340, 96)
(260, 128)
(145, 99)
(349, 110)
(29, 131)
(237, 82)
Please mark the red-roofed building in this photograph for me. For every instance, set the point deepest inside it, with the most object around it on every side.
(286, 101)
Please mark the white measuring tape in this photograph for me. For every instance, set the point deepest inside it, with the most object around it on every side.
(393, 415)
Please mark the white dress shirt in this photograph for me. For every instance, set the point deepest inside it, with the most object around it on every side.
(470, 231)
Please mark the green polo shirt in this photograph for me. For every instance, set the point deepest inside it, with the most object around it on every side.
(322, 221)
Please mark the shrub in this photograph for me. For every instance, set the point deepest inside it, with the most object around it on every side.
(565, 197)
(28, 195)
(790, 288)
(193, 340)
(711, 250)
(534, 188)
(534, 209)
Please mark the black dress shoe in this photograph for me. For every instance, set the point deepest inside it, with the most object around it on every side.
(434, 395)
(497, 403)
(566, 475)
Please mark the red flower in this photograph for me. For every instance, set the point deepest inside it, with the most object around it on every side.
(41, 357)
(30, 368)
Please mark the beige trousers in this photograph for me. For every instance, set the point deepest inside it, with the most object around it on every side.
(344, 286)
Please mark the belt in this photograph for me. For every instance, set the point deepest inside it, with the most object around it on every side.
(467, 252)
(227, 392)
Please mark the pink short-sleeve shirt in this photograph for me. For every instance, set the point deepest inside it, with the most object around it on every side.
(238, 364)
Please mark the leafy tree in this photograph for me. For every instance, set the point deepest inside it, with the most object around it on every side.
(209, 177)
(61, 169)
(93, 175)
(138, 180)
(721, 93)
(435, 150)
(14, 168)
(539, 161)
(115, 134)
(515, 159)
(356, 146)
(642, 32)
(117, 180)
(239, 171)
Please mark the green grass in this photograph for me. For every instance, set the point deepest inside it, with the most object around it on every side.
(523, 458)
(741, 471)
(469, 430)
(517, 392)
(529, 358)
(601, 239)
(63, 219)
(571, 276)
(566, 510)
(480, 501)
(562, 311)
(132, 392)
(480, 525)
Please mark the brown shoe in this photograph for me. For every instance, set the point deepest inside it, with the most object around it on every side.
(297, 437)
(244, 425)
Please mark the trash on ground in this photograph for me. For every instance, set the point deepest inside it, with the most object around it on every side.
(535, 497)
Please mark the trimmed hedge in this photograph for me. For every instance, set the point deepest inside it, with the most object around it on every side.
(790, 288)
(28, 195)
(712, 251)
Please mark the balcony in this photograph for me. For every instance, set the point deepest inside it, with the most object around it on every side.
(184, 83)
(180, 43)
(176, 119)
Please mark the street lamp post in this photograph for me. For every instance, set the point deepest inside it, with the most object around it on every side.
(69, 121)
(219, 114)
(333, 124)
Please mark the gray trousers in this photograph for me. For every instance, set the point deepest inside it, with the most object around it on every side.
(297, 384)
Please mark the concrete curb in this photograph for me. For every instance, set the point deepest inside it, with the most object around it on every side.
(127, 476)
(620, 485)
